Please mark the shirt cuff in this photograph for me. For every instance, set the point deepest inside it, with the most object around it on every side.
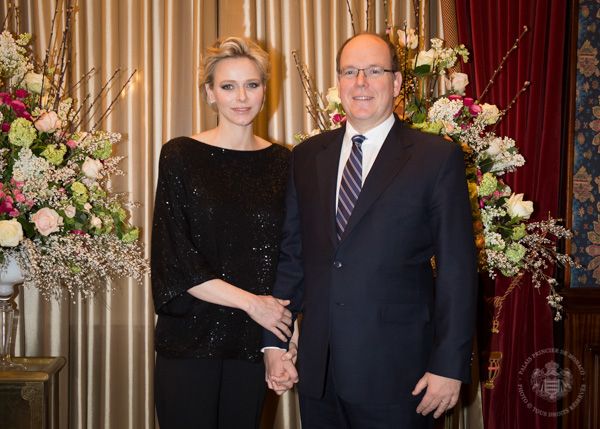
(271, 347)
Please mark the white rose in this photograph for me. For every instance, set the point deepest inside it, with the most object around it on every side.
(95, 222)
(408, 39)
(47, 122)
(11, 233)
(425, 58)
(459, 82)
(516, 207)
(489, 114)
(495, 147)
(33, 82)
(47, 221)
(333, 97)
(91, 167)
(87, 206)
(70, 212)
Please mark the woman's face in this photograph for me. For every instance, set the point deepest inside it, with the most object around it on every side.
(238, 92)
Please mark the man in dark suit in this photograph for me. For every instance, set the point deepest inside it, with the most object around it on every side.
(383, 342)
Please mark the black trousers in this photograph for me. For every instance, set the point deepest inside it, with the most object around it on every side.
(208, 393)
(332, 412)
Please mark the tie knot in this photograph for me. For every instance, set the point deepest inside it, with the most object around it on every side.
(358, 139)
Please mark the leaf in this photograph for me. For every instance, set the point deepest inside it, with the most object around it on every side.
(422, 70)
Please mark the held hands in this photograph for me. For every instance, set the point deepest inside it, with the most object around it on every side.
(280, 372)
(441, 395)
(271, 314)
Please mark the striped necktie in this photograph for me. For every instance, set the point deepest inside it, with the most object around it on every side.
(350, 186)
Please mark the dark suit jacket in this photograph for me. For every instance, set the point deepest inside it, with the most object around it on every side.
(371, 300)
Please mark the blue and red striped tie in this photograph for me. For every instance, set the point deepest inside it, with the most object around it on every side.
(350, 186)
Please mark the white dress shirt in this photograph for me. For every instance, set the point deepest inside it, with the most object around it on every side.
(370, 148)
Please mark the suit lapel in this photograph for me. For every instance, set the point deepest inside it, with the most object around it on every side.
(392, 157)
(327, 161)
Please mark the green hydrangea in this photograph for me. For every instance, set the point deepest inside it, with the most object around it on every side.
(519, 232)
(131, 236)
(488, 185)
(80, 192)
(515, 252)
(55, 155)
(22, 132)
(97, 193)
(104, 150)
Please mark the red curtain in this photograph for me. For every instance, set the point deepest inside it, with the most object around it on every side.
(489, 29)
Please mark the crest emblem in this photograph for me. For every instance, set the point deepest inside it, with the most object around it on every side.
(552, 382)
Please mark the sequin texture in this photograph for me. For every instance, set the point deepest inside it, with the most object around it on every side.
(217, 214)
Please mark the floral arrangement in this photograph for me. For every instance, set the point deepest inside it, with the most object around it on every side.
(58, 219)
(432, 100)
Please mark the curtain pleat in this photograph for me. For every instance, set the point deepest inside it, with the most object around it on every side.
(108, 342)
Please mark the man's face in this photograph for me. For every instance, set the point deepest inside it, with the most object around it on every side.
(368, 101)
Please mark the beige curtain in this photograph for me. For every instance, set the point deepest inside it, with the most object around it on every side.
(108, 342)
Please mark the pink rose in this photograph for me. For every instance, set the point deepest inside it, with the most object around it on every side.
(47, 122)
(475, 109)
(21, 93)
(468, 101)
(6, 206)
(18, 106)
(20, 198)
(5, 127)
(454, 97)
(14, 213)
(338, 118)
(72, 144)
(77, 232)
(47, 221)
(5, 98)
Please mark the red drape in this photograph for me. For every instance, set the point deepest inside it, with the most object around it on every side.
(489, 28)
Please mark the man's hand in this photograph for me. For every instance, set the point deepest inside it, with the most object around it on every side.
(441, 395)
(280, 372)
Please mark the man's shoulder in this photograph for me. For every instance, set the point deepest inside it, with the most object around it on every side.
(319, 141)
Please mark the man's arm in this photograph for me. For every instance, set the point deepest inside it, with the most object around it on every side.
(455, 288)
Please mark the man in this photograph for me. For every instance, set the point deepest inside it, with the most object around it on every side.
(383, 343)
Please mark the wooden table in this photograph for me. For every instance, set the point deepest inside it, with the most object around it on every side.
(29, 397)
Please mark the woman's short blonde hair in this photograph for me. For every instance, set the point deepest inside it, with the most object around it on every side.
(232, 47)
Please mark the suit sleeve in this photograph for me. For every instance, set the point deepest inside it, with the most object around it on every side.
(456, 263)
(177, 264)
(290, 274)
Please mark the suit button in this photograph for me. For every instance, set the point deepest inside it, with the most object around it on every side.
(340, 304)
(337, 264)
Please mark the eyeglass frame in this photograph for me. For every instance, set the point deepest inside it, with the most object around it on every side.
(364, 70)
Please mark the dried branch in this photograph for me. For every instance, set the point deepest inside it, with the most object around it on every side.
(86, 76)
(48, 49)
(512, 102)
(98, 97)
(315, 104)
(61, 64)
(114, 100)
(514, 47)
(351, 16)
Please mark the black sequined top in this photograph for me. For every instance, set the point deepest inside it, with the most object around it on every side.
(218, 214)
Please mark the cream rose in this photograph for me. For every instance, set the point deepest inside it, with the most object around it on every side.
(95, 222)
(70, 212)
(408, 39)
(459, 82)
(333, 97)
(495, 147)
(11, 233)
(33, 82)
(47, 122)
(47, 221)
(489, 113)
(91, 168)
(425, 58)
(516, 207)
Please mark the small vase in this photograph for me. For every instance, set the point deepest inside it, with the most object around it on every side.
(10, 276)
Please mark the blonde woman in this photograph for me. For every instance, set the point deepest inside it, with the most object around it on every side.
(215, 241)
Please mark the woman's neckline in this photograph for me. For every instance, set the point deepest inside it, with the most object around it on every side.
(264, 149)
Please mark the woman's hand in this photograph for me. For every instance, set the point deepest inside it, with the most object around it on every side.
(271, 314)
(292, 353)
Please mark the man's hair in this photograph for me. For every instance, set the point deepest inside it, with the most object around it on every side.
(393, 55)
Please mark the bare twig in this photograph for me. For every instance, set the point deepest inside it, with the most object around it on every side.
(61, 64)
(514, 46)
(86, 76)
(98, 97)
(114, 100)
(367, 15)
(315, 103)
(48, 49)
(351, 16)
(512, 102)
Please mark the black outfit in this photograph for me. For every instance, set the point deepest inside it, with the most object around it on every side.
(218, 214)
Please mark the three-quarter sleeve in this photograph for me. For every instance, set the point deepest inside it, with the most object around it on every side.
(177, 261)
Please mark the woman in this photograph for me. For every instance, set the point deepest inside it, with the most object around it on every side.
(218, 212)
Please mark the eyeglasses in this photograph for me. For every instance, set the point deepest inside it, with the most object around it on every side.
(369, 72)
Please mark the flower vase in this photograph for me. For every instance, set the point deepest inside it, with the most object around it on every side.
(10, 276)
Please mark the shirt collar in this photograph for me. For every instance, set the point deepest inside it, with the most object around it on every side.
(376, 134)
